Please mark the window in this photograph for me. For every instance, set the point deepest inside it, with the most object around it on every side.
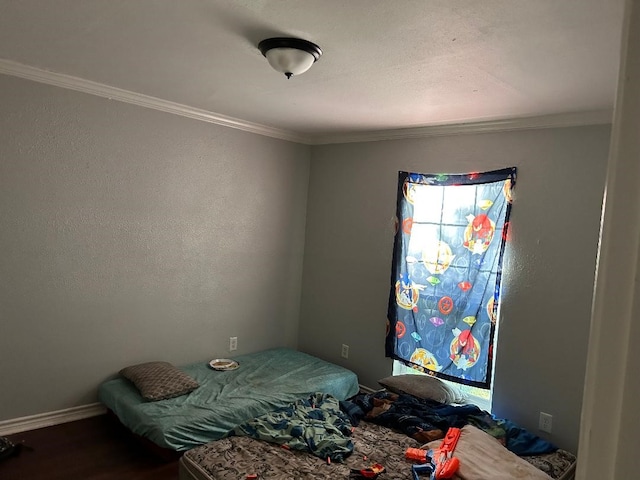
(446, 273)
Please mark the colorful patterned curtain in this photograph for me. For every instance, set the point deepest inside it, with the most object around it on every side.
(445, 281)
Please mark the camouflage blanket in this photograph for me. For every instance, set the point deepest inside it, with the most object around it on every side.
(314, 424)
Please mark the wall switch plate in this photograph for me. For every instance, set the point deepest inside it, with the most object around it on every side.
(545, 422)
(233, 343)
(345, 351)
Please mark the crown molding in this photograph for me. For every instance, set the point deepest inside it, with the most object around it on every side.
(48, 419)
(596, 117)
(9, 67)
(574, 119)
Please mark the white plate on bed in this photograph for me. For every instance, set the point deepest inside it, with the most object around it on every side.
(223, 364)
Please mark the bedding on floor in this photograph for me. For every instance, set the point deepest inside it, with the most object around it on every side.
(387, 424)
(314, 424)
(236, 457)
(265, 381)
(427, 420)
(483, 457)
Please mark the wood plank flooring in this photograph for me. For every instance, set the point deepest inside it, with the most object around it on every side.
(96, 448)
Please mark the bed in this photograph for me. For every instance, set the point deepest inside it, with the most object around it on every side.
(481, 450)
(263, 382)
(236, 458)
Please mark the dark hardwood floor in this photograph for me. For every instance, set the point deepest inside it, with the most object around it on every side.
(90, 449)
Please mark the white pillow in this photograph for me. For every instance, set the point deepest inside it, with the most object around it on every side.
(423, 386)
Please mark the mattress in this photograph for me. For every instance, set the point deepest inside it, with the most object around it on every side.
(265, 381)
(238, 457)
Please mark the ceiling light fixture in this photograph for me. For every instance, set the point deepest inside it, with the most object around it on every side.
(291, 56)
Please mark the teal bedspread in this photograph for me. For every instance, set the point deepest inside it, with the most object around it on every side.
(264, 382)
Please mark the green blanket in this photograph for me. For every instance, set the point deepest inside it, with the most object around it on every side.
(314, 424)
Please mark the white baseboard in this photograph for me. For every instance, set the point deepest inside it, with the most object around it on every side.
(48, 419)
(365, 389)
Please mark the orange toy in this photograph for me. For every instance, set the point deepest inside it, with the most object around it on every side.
(446, 464)
(416, 454)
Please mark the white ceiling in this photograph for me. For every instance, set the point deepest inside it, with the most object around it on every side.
(387, 64)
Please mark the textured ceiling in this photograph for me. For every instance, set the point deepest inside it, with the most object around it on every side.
(386, 64)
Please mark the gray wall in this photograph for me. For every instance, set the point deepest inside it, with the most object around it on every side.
(130, 235)
(549, 268)
(124, 240)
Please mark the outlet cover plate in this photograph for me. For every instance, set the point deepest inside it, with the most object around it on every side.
(546, 421)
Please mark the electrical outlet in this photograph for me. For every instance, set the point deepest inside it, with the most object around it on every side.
(545, 422)
(345, 351)
(233, 343)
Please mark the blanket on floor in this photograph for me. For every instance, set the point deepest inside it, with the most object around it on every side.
(482, 457)
(314, 424)
(427, 420)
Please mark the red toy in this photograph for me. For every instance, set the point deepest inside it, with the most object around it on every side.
(417, 455)
(445, 463)
(372, 472)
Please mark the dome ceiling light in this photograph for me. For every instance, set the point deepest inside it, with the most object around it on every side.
(291, 56)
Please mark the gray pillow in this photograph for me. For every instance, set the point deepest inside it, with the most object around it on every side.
(423, 386)
(159, 380)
